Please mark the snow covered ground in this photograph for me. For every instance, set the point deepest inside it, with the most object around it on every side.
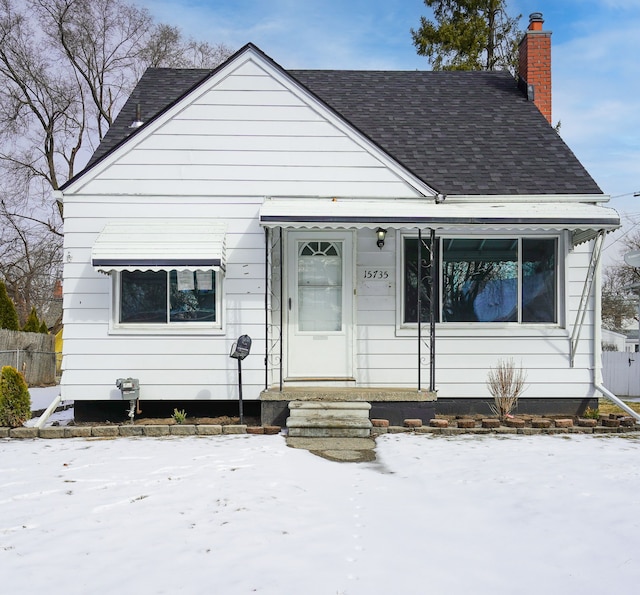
(247, 514)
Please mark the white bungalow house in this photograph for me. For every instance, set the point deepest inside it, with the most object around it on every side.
(385, 235)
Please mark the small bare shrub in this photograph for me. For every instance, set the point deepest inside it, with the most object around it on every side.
(505, 383)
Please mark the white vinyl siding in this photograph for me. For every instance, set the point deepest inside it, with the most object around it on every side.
(170, 365)
(249, 134)
(218, 154)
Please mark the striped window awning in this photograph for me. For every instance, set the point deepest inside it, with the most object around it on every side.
(160, 245)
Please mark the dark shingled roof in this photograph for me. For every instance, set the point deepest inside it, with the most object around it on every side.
(459, 132)
(156, 91)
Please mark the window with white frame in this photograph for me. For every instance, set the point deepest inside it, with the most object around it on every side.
(486, 279)
(176, 297)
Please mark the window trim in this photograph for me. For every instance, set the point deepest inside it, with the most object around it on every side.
(410, 328)
(170, 328)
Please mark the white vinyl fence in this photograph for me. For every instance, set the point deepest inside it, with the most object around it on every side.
(621, 373)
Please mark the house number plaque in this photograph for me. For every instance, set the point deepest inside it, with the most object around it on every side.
(375, 280)
(380, 274)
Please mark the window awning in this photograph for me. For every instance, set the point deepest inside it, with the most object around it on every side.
(160, 245)
(584, 220)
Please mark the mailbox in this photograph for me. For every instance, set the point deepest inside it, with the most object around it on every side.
(129, 387)
(240, 349)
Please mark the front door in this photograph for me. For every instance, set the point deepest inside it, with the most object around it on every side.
(319, 306)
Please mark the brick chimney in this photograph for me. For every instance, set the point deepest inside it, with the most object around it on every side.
(534, 68)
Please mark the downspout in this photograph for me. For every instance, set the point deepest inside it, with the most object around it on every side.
(597, 351)
(266, 308)
(50, 409)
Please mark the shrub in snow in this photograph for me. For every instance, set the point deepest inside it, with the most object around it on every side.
(505, 383)
(15, 401)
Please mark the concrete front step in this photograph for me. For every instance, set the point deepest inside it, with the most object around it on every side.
(329, 419)
(394, 404)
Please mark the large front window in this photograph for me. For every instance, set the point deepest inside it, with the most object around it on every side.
(486, 280)
(167, 297)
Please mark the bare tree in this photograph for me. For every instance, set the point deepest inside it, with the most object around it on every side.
(620, 287)
(31, 263)
(66, 68)
(167, 48)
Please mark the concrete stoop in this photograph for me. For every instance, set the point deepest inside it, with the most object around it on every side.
(329, 419)
(343, 450)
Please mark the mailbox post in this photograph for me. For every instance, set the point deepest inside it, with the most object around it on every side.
(239, 350)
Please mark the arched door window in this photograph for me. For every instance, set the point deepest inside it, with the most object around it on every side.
(319, 286)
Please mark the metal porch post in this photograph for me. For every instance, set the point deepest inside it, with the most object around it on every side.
(432, 311)
(419, 305)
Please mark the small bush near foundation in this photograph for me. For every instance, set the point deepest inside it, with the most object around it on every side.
(505, 383)
(179, 416)
(15, 401)
(591, 413)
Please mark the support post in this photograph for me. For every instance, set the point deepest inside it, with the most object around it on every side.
(281, 305)
(240, 391)
(419, 313)
(586, 293)
(432, 310)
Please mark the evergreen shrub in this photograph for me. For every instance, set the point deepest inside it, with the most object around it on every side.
(32, 325)
(15, 400)
(8, 312)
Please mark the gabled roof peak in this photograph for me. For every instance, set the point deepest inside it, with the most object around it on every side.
(459, 132)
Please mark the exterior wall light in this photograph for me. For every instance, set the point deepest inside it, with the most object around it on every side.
(380, 233)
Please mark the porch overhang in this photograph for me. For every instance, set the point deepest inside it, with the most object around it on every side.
(160, 245)
(583, 220)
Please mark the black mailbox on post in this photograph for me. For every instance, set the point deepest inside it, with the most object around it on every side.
(239, 350)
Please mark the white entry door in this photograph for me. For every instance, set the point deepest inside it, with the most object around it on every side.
(319, 305)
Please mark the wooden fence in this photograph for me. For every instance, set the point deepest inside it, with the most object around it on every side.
(33, 354)
(621, 373)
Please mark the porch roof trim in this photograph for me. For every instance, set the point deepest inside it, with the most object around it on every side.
(583, 219)
(160, 245)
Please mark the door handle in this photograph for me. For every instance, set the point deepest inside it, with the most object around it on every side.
(289, 303)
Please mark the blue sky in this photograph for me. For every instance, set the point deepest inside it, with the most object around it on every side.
(595, 62)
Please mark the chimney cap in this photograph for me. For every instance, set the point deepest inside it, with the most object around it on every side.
(535, 21)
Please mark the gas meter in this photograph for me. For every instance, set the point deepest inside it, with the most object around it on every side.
(129, 387)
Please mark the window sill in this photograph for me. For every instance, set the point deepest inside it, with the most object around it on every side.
(479, 329)
(165, 330)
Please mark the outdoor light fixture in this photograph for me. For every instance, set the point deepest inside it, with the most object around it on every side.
(381, 233)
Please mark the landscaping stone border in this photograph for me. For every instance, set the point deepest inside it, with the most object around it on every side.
(436, 427)
(128, 431)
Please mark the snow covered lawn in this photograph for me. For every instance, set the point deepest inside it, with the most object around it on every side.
(246, 514)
